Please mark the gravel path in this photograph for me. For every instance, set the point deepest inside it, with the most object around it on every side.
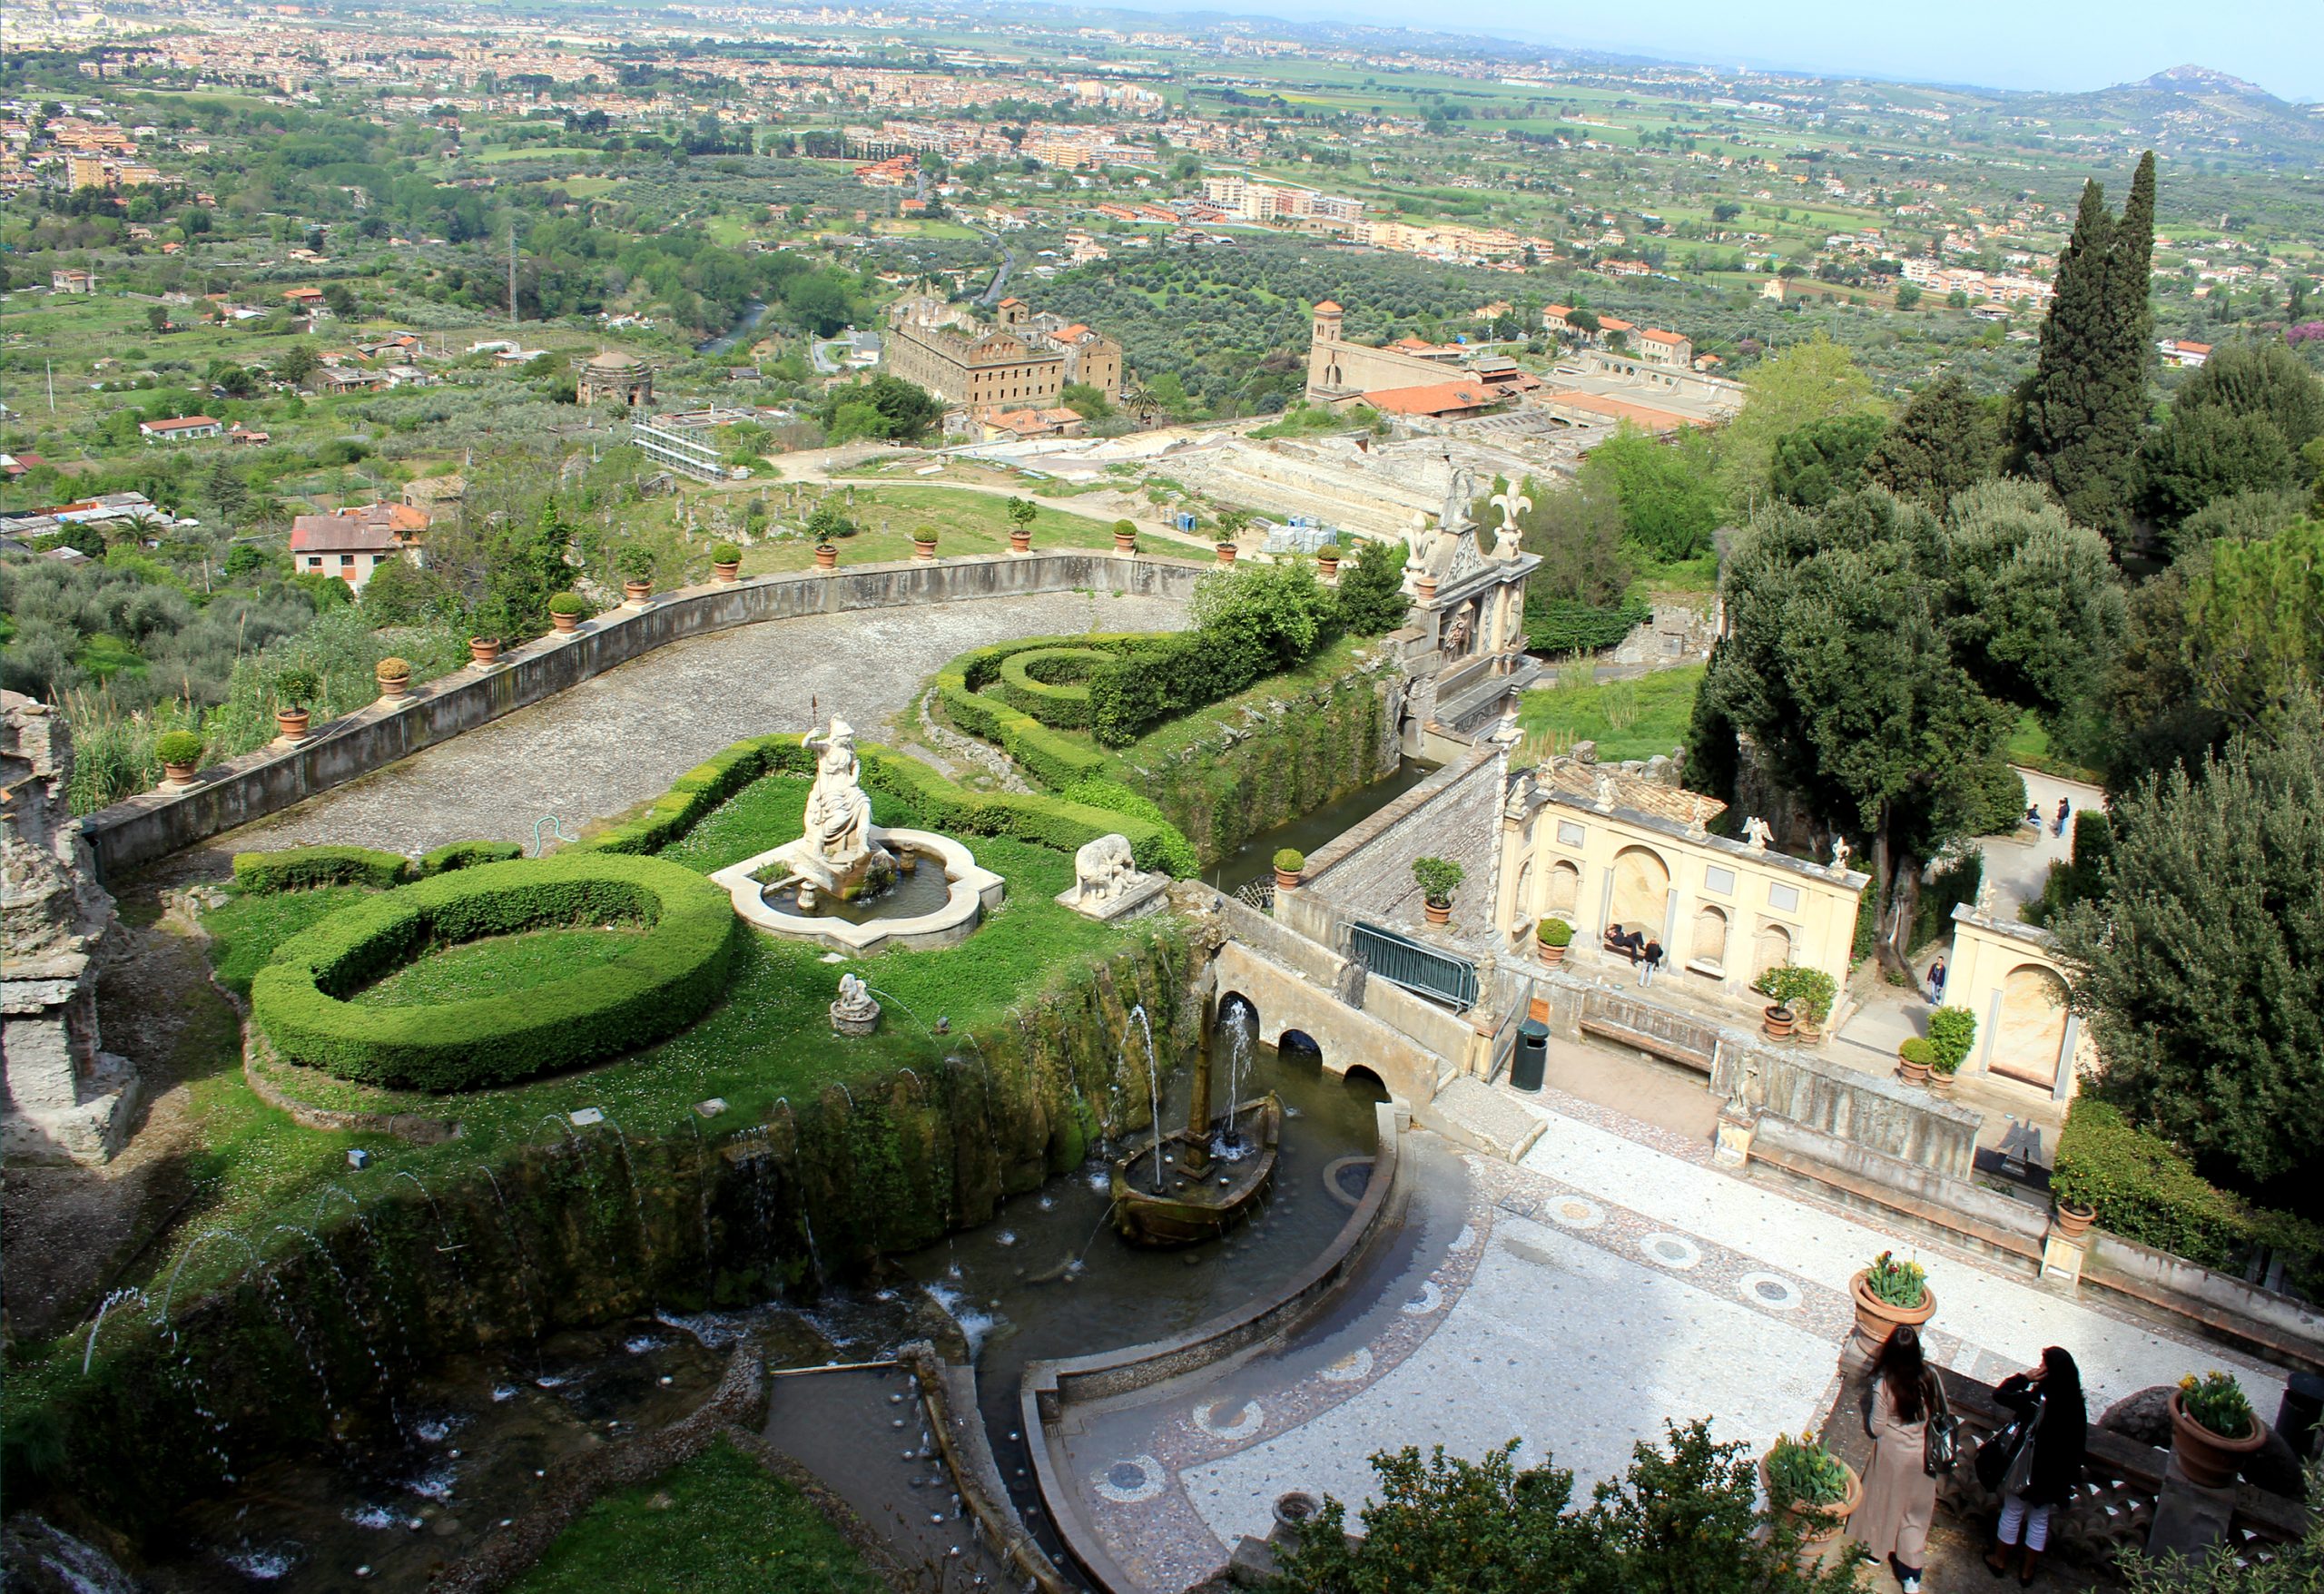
(615, 741)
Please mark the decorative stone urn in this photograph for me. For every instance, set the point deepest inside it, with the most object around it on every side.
(855, 1012)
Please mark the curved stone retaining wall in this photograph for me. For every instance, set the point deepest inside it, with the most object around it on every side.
(238, 791)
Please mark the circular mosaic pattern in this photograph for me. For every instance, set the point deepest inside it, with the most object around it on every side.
(1427, 1299)
(1670, 1250)
(1346, 1178)
(1129, 1482)
(1350, 1368)
(1771, 1290)
(1464, 1239)
(1230, 1418)
(1573, 1213)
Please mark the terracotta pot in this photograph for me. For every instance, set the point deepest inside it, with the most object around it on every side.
(1125, 542)
(1020, 539)
(1286, 879)
(726, 575)
(920, 550)
(636, 592)
(484, 650)
(1226, 552)
(179, 774)
(394, 688)
(1809, 1032)
(1778, 1020)
(1424, 587)
(1327, 565)
(826, 556)
(1876, 1319)
(565, 625)
(2209, 1461)
(1823, 1523)
(2073, 1222)
(1940, 1083)
(1913, 1073)
(1437, 913)
(291, 723)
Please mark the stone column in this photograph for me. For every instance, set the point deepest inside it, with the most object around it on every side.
(2189, 1520)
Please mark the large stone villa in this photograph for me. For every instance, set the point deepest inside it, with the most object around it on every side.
(1021, 361)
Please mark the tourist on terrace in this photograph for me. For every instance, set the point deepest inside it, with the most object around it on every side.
(2049, 1397)
(2065, 811)
(1649, 961)
(1629, 943)
(1936, 983)
(1899, 1495)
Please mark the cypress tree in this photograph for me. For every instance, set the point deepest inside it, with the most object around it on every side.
(1944, 440)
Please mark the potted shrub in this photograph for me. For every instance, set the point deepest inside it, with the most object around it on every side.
(1777, 1019)
(725, 562)
(2213, 1429)
(636, 567)
(394, 676)
(1550, 938)
(1288, 864)
(1226, 552)
(295, 690)
(923, 542)
(1811, 1484)
(180, 754)
(565, 612)
(826, 555)
(1020, 525)
(1890, 1293)
(2076, 1202)
(1327, 561)
(1913, 1059)
(1952, 1031)
(1125, 536)
(1438, 879)
(1941, 1071)
(1809, 994)
(484, 650)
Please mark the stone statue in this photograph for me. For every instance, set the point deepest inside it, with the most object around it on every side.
(1606, 794)
(1839, 854)
(1988, 897)
(855, 1012)
(1458, 496)
(837, 855)
(1506, 541)
(1758, 832)
(1103, 869)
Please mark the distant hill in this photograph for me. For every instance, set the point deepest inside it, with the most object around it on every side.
(2194, 110)
(2203, 81)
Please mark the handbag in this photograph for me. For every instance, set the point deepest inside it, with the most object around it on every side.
(2006, 1459)
(1941, 1441)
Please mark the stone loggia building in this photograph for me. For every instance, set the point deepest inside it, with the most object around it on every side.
(1019, 361)
(66, 1100)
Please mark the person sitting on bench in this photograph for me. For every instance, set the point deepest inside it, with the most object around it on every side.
(1629, 943)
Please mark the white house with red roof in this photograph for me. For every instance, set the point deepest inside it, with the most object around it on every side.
(351, 543)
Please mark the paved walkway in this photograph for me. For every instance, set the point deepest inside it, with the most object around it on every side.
(622, 737)
(1612, 1282)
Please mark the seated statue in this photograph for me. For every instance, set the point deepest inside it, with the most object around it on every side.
(1104, 869)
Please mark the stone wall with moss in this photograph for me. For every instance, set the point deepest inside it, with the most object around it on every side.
(301, 1351)
(1267, 758)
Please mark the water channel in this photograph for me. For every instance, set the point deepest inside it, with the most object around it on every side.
(1254, 858)
(745, 327)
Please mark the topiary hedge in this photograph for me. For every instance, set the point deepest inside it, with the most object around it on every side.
(1177, 858)
(675, 974)
(298, 869)
(1051, 684)
(468, 854)
(1055, 761)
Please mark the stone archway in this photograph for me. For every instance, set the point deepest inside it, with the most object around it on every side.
(2032, 1027)
(1641, 890)
(1298, 1045)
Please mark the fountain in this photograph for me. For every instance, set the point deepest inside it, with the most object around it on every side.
(1192, 1184)
(856, 886)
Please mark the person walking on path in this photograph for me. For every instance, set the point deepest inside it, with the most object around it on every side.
(1936, 983)
(2065, 811)
(1649, 961)
(1899, 1495)
(2048, 1399)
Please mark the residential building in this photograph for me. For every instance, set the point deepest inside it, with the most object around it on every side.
(1021, 361)
(2185, 355)
(351, 543)
(184, 429)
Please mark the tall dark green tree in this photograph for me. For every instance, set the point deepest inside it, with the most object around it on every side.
(1824, 459)
(2082, 413)
(1946, 440)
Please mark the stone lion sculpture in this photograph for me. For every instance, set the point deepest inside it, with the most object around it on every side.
(1104, 869)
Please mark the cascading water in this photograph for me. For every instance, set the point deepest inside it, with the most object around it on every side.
(637, 1196)
(1239, 1018)
(1153, 1086)
(523, 1267)
(354, 1315)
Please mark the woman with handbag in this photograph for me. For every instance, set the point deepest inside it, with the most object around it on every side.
(2038, 1457)
(1907, 1417)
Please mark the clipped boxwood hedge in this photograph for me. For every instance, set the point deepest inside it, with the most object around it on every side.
(1051, 684)
(2143, 1189)
(454, 855)
(298, 869)
(675, 974)
(1056, 762)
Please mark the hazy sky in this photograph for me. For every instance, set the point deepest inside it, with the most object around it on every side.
(2068, 45)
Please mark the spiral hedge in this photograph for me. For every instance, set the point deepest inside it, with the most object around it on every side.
(672, 977)
(1051, 684)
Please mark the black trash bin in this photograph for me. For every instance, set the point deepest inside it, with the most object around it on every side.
(1532, 1059)
(2301, 1409)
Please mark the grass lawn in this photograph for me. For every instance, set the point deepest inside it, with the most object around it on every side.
(965, 523)
(718, 1524)
(1627, 719)
(498, 964)
(1697, 574)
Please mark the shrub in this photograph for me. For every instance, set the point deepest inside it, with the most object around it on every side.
(1897, 1282)
(298, 869)
(1290, 860)
(678, 970)
(567, 602)
(1554, 932)
(467, 854)
(392, 668)
(1252, 619)
(1051, 684)
(1055, 761)
(726, 553)
(298, 688)
(1128, 528)
(1802, 1471)
(1174, 853)
(1808, 992)
(1951, 1033)
(924, 534)
(2145, 1190)
(178, 747)
(1916, 1050)
(1564, 625)
(635, 563)
(1438, 879)
(2216, 1402)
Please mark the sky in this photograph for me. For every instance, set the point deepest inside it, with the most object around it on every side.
(2061, 45)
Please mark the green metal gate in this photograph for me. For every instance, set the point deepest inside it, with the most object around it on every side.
(1415, 965)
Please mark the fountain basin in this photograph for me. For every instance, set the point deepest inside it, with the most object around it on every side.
(1190, 1207)
(758, 885)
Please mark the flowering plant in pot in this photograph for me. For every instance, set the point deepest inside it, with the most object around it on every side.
(1289, 862)
(2213, 1429)
(923, 542)
(636, 567)
(180, 754)
(394, 675)
(1813, 1484)
(726, 561)
(1438, 879)
(1887, 1295)
(566, 610)
(1125, 536)
(295, 692)
(1551, 936)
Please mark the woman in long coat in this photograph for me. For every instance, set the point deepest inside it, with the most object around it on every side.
(1899, 1496)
